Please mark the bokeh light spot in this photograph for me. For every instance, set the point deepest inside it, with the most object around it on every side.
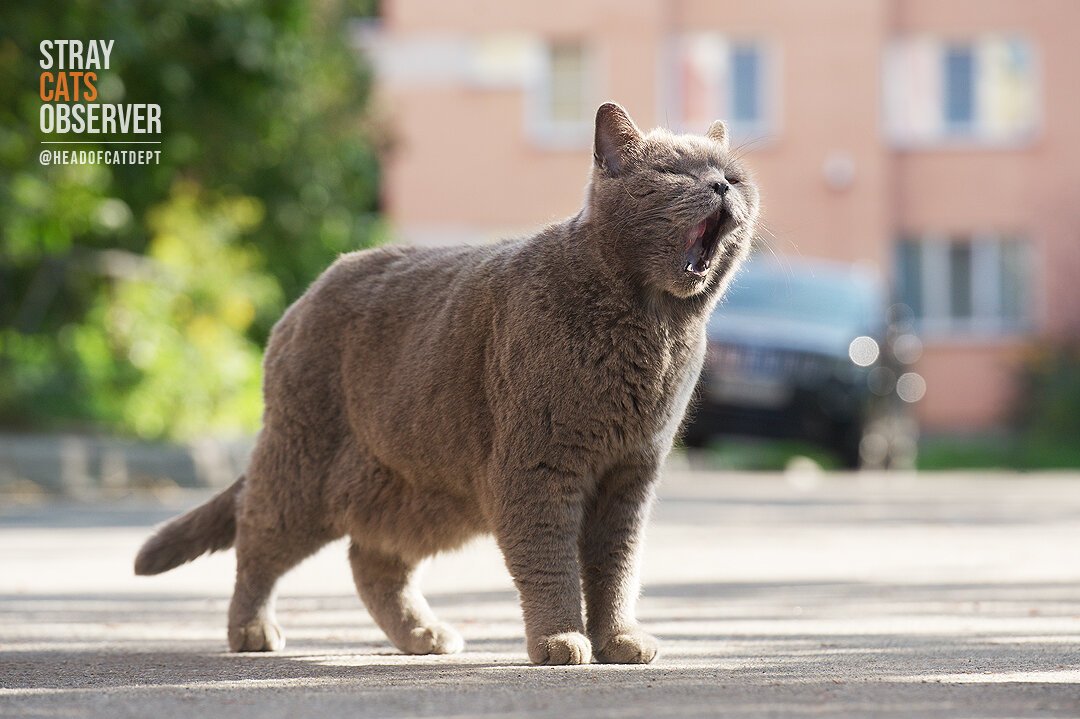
(863, 351)
(911, 386)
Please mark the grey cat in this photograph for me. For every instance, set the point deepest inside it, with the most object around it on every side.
(416, 398)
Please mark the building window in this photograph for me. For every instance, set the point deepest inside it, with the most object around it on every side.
(562, 102)
(983, 91)
(715, 78)
(977, 285)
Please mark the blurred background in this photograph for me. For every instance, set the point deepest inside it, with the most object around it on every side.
(913, 301)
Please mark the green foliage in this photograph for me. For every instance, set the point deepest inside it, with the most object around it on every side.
(1047, 409)
(742, 454)
(996, 451)
(137, 297)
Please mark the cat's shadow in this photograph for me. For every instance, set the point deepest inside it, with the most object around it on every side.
(66, 671)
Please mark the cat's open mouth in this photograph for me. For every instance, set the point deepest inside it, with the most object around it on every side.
(702, 241)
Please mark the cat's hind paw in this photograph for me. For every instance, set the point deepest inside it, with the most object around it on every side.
(257, 636)
(565, 648)
(439, 638)
(631, 647)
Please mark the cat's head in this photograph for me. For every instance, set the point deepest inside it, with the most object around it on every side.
(678, 211)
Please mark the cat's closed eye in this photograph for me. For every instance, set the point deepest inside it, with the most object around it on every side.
(676, 171)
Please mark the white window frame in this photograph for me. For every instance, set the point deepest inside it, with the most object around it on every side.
(953, 138)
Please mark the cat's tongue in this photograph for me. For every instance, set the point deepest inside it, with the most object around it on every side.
(699, 248)
(696, 233)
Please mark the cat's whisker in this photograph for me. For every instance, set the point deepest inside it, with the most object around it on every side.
(750, 144)
(781, 258)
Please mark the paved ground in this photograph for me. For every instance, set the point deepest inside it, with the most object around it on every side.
(785, 596)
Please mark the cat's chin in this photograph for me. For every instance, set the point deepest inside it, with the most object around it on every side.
(690, 285)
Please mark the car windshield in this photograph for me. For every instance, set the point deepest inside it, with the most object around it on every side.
(826, 295)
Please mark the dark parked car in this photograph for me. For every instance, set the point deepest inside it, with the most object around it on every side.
(807, 350)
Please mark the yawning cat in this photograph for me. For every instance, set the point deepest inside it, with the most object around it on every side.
(416, 398)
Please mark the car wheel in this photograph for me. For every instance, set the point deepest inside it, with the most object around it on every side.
(848, 447)
(849, 457)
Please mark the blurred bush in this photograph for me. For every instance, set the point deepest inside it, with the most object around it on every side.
(136, 298)
(1047, 410)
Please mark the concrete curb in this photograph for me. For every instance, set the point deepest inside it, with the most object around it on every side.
(78, 464)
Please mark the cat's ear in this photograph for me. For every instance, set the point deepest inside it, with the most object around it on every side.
(718, 132)
(617, 139)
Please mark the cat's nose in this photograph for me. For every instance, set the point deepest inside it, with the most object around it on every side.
(721, 187)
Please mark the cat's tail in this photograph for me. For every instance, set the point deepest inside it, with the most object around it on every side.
(207, 528)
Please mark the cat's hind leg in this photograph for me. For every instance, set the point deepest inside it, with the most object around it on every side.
(387, 585)
(277, 527)
(263, 555)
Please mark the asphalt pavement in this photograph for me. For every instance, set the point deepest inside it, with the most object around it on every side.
(783, 595)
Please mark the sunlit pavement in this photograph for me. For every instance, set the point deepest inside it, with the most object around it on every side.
(786, 596)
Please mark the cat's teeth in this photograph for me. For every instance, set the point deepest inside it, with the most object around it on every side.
(689, 267)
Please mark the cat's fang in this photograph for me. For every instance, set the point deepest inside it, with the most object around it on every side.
(698, 267)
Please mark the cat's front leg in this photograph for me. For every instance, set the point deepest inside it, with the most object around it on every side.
(610, 545)
(537, 517)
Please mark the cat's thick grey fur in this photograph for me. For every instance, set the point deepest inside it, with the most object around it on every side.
(416, 398)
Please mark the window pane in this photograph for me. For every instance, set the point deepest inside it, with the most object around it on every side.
(959, 88)
(1015, 291)
(746, 84)
(568, 102)
(909, 276)
(960, 280)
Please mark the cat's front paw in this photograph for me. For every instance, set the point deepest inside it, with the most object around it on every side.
(565, 648)
(259, 636)
(439, 638)
(630, 647)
